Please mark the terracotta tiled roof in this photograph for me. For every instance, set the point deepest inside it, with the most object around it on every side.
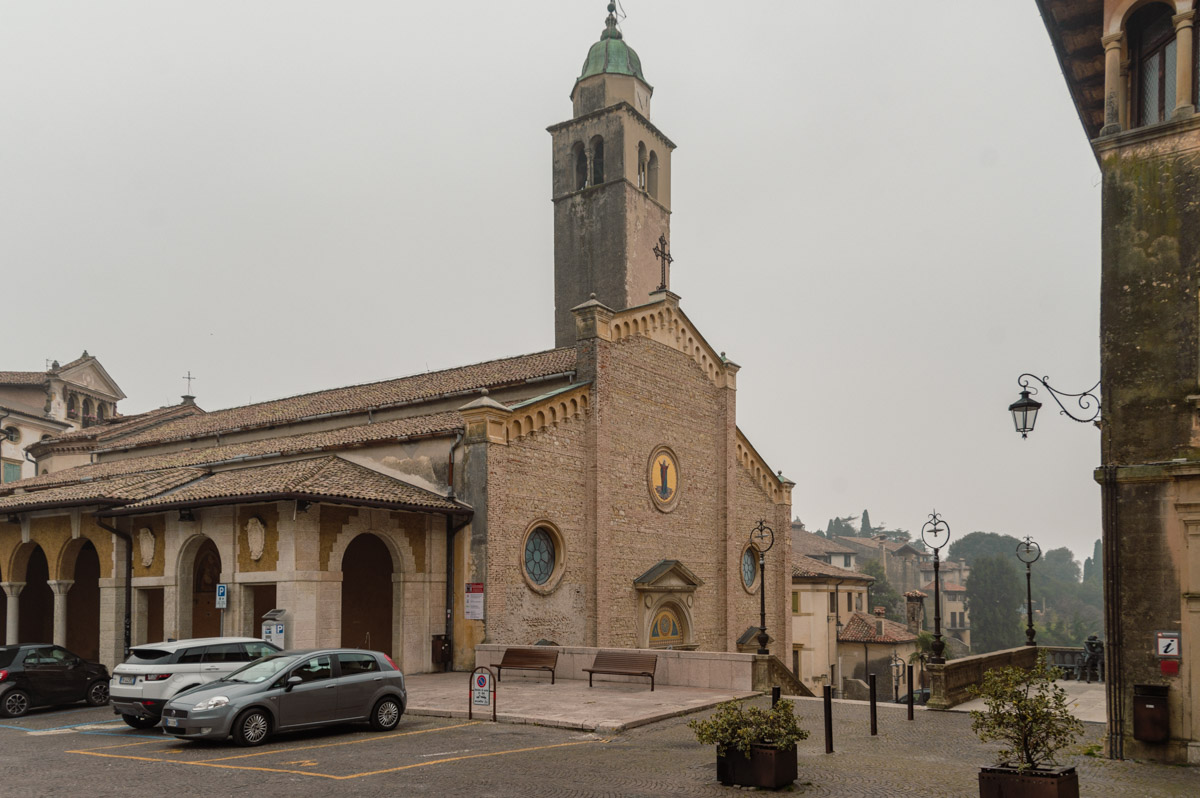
(947, 588)
(863, 628)
(809, 544)
(360, 398)
(808, 568)
(344, 438)
(120, 426)
(23, 378)
(317, 479)
(118, 490)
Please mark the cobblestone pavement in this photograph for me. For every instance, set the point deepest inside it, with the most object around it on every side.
(83, 752)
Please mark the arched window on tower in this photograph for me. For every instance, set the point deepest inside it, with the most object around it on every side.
(597, 161)
(72, 407)
(652, 175)
(1152, 58)
(88, 417)
(641, 174)
(581, 170)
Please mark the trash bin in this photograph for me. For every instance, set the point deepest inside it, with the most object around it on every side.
(1151, 720)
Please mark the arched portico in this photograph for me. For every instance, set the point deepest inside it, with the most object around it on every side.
(77, 599)
(34, 600)
(198, 572)
(373, 568)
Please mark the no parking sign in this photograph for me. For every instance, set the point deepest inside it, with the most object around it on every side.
(483, 691)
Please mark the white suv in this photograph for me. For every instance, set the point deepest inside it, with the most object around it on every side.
(156, 672)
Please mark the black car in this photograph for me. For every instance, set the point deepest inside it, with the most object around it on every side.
(37, 675)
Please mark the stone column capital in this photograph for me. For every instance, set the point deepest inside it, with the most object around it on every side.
(60, 586)
(12, 589)
(1184, 20)
(1112, 40)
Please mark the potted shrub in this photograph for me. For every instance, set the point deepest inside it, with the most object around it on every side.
(755, 747)
(1027, 712)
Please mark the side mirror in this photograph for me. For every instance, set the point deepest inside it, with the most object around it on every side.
(292, 682)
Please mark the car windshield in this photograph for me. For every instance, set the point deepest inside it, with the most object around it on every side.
(260, 670)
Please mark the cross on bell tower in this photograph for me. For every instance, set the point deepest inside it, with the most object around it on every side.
(662, 251)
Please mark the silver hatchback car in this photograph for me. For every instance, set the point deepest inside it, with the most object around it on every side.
(291, 690)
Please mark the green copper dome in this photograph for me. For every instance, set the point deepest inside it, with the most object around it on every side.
(611, 55)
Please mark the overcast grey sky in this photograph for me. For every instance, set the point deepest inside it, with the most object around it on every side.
(883, 211)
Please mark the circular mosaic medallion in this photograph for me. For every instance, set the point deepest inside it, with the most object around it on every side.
(663, 479)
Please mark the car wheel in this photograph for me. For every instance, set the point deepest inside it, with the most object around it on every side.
(252, 727)
(139, 723)
(97, 694)
(386, 714)
(16, 703)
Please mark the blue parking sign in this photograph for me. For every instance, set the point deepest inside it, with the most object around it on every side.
(222, 596)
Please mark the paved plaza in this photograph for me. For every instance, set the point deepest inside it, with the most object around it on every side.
(935, 754)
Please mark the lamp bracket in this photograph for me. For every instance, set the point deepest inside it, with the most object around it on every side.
(1088, 401)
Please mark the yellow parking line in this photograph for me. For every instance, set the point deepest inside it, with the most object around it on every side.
(216, 764)
(468, 756)
(124, 745)
(370, 739)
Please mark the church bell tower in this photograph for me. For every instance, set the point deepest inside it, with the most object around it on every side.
(611, 187)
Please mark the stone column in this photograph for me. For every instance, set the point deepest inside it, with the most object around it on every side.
(1112, 84)
(13, 591)
(1184, 75)
(60, 588)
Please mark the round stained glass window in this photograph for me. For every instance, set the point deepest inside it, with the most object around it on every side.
(539, 556)
(749, 567)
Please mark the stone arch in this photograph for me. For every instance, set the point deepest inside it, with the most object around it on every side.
(388, 609)
(683, 617)
(198, 569)
(367, 585)
(641, 166)
(35, 610)
(1121, 14)
(652, 175)
(580, 164)
(79, 562)
(597, 151)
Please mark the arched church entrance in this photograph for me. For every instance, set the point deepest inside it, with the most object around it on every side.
(206, 574)
(83, 604)
(367, 594)
(36, 608)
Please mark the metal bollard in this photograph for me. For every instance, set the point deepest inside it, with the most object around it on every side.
(874, 716)
(910, 692)
(775, 693)
(828, 719)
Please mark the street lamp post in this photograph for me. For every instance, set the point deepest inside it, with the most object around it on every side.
(897, 673)
(936, 534)
(763, 539)
(1025, 409)
(1028, 552)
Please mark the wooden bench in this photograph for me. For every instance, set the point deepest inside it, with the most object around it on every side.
(528, 659)
(624, 663)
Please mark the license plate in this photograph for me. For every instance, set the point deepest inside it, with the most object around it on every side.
(172, 721)
(128, 679)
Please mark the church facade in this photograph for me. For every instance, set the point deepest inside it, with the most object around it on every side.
(599, 493)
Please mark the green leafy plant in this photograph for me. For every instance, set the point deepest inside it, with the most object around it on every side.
(735, 726)
(1026, 710)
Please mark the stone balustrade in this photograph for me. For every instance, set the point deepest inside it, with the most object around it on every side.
(948, 683)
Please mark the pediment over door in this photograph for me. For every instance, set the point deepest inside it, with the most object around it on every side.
(665, 605)
(668, 576)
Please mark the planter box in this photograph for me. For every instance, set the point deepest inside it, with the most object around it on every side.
(766, 767)
(1006, 782)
